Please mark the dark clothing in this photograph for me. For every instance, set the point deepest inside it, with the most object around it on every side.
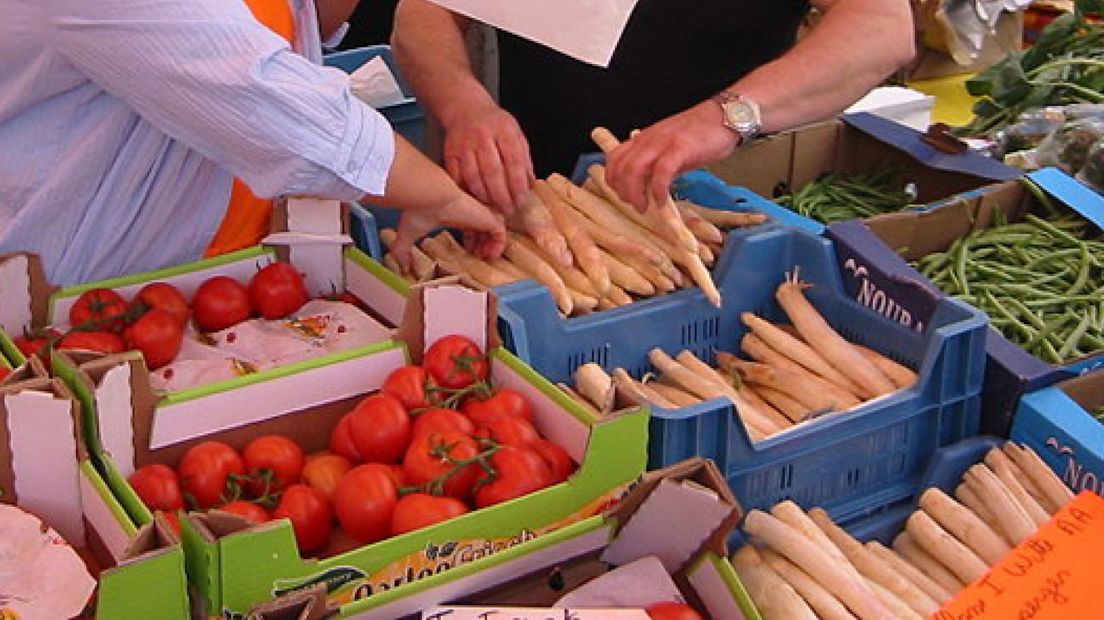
(370, 24)
(672, 55)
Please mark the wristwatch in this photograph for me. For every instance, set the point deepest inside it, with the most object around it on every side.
(740, 114)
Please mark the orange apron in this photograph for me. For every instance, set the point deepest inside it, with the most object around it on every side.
(247, 217)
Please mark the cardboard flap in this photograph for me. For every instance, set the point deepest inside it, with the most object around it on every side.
(456, 309)
(906, 139)
(153, 538)
(124, 404)
(306, 604)
(315, 242)
(26, 293)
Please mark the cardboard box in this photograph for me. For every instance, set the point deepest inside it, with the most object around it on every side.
(874, 254)
(45, 469)
(787, 161)
(1057, 422)
(233, 566)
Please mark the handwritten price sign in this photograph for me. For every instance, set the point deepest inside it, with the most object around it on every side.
(1053, 575)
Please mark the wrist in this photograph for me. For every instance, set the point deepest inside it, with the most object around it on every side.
(463, 104)
(740, 114)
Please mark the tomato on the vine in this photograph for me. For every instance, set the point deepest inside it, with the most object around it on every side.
(98, 308)
(205, 469)
(670, 610)
(559, 461)
(341, 441)
(103, 342)
(433, 455)
(277, 455)
(418, 510)
(364, 501)
(510, 430)
(247, 510)
(310, 514)
(408, 384)
(277, 290)
(158, 487)
(220, 302)
(157, 335)
(324, 472)
(163, 296)
(380, 428)
(517, 471)
(437, 419)
(34, 344)
(505, 402)
(455, 362)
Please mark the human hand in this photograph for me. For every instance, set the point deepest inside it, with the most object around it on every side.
(484, 231)
(643, 167)
(486, 153)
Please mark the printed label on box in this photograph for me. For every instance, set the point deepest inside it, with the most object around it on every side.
(1075, 475)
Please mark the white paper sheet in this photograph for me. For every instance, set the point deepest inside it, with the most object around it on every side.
(587, 30)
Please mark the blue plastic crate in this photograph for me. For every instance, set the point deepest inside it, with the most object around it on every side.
(870, 456)
(407, 117)
(1063, 431)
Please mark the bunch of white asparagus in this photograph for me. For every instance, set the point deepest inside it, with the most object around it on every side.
(590, 248)
(795, 373)
(803, 566)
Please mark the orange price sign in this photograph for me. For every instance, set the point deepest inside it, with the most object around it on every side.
(1053, 575)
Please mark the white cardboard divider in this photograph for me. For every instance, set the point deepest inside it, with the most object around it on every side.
(563, 429)
(491, 576)
(320, 260)
(44, 460)
(372, 291)
(455, 310)
(115, 415)
(713, 591)
(261, 401)
(102, 520)
(15, 303)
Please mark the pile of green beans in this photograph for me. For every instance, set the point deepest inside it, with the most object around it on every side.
(1041, 281)
(837, 197)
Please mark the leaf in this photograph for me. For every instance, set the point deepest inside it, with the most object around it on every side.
(1010, 84)
(1054, 38)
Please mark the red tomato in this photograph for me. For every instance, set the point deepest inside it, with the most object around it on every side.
(398, 474)
(364, 501)
(670, 610)
(435, 419)
(380, 429)
(310, 514)
(341, 441)
(205, 469)
(519, 471)
(418, 510)
(220, 302)
(4, 372)
(163, 296)
(324, 472)
(104, 342)
(408, 384)
(34, 345)
(503, 403)
(559, 461)
(173, 520)
(248, 510)
(157, 487)
(455, 362)
(281, 457)
(510, 430)
(431, 456)
(157, 335)
(99, 308)
(277, 290)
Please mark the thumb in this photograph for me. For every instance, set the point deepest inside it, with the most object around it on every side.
(404, 242)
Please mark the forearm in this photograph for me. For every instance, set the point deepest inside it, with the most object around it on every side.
(333, 13)
(428, 42)
(853, 48)
(414, 182)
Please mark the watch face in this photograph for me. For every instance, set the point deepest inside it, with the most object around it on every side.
(738, 113)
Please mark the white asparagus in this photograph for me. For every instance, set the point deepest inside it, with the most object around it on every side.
(749, 392)
(902, 376)
(422, 266)
(595, 385)
(828, 343)
(627, 278)
(813, 396)
(760, 351)
(922, 560)
(1029, 484)
(965, 494)
(963, 562)
(775, 599)
(1015, 524)
(892, 602)
(392, 263)
(727, 219)
(1044, 477)
(475, 267)
(935, 591)
(810, 556)
(964, 525)
(571, 275)
(637, 392)
(703, 229)
(587, 255)
(781, 401)
(679, 397)
(785, 344)
(823, 603)
(998, 463)
(533, 218)
(534, 266)
(873, 568)
(577, 397)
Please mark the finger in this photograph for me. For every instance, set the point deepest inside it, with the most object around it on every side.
(494, 178)
(663, 175)
(452, 167)
(519, 168)
(473, 180)
(635, 172)
(404, 242)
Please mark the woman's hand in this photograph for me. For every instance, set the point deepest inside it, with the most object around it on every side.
(484, 231)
